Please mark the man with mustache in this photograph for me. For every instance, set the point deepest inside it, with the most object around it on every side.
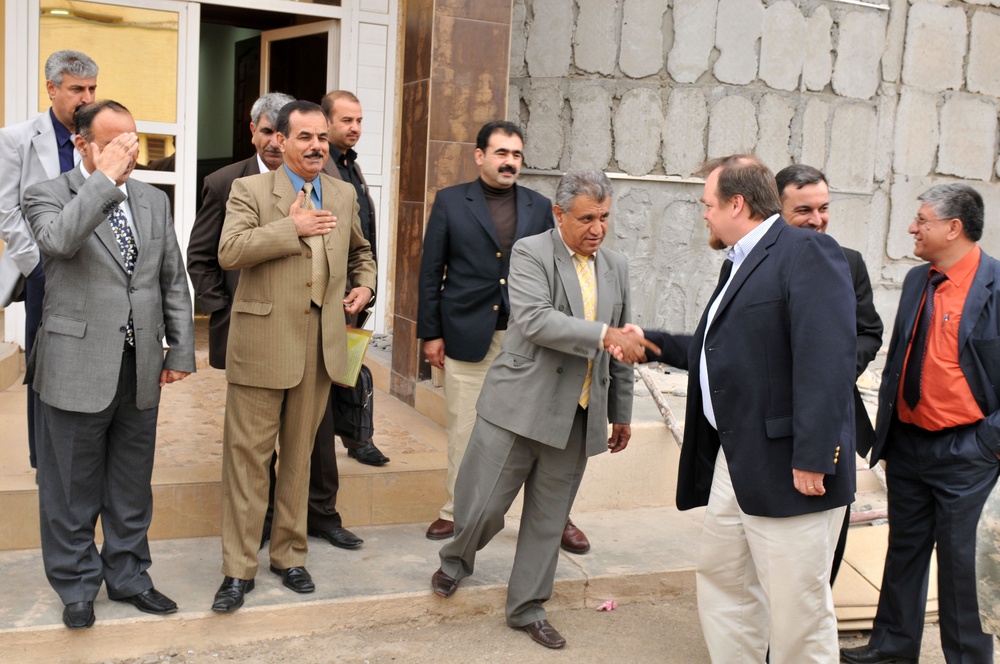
(116, 292)
(462, 317)
(214, 286)
(30, 152)
(295, 235)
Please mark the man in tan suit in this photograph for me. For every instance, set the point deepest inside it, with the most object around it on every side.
(287, 337)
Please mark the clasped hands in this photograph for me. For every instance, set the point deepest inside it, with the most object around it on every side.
(628, 344)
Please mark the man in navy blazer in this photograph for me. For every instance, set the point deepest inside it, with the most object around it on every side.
(464, 306)
(769, 433)
(940, 443)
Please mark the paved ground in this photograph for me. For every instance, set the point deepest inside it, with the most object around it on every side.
(666, 632)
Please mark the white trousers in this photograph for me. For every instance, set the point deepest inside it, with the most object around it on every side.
(462, 383)
(766, 581)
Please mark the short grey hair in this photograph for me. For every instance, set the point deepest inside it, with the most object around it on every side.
(957, 200)
(269, 105)
(73, 63)
(591, 183)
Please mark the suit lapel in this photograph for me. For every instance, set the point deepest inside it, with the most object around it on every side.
(142, 218)
(979, 292)
(331, 199)
(749, 264)
(476, 202)
(605, 287)
(524, 210)
(567, 274)
(284, 194)
(45, 145)
(909, 306)
(103, 231)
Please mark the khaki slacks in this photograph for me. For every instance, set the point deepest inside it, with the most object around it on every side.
(463, 381)
(255, 418)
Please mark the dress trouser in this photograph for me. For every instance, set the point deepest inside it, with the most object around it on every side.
(463, 381)
(938, 483)
(255, 418)
(34, 294)
(324, 478)
(496, 465)
(90, 465)
(765, 582)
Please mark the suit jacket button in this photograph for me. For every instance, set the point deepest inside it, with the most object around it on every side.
(121, 329)
(308, 311)
(309, 284)
(496, 307)
(559, 370)
(309, 254)
(503, 281)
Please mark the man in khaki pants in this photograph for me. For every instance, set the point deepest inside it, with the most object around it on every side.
(294, 233)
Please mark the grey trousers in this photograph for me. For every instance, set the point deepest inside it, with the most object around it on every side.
(90, 465)
(496, 464)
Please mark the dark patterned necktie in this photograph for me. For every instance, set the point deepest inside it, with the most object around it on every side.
(126, 245)
(918, 346)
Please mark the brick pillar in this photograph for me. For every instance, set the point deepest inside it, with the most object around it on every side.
(455, 76)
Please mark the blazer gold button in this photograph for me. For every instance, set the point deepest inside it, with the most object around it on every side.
(499, 255)
(503, 281)
(496, 307)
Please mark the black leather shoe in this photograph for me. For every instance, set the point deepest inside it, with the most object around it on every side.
(442, 584)
(869, 655)
(151, 601)
(295, 578)
(79, 615)
(544, 633)
(369, 454)
(229, 596)
(339, 537)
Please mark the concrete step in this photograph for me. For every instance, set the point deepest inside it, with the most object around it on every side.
(637, 555)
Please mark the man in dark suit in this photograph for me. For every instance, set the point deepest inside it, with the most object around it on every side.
(462, 318)
(769, 416)
(938, 429)
(215, 288)
(33, 151)
(116, 292)
(343, 112)
(547, 400)
(805, 202)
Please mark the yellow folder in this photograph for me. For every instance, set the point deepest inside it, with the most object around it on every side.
(357, 346)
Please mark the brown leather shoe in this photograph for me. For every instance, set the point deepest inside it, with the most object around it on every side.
(441, 529)
(544, 633)
(573, 539)
(442, 584)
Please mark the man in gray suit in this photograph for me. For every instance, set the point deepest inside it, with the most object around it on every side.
(547, 399)
(116, 290)
(30, 152)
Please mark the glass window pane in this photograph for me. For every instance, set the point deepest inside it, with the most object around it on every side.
(136, 50)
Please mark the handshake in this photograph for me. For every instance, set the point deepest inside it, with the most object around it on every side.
(628, 344)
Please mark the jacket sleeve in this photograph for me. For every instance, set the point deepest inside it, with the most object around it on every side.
(869, 325)
(203, 266)
(14, 228)
(433, 263)
(245, 242)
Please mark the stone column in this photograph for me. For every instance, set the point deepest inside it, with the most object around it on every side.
(455, 78)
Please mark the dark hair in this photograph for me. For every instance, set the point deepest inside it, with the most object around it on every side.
(84, 116)
(490, 128)
(957, 201)
(799, 175)
(745, 175)
(330, 98)
(299, 105)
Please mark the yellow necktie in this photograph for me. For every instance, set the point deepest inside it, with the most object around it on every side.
(320, 267)
(589, 291)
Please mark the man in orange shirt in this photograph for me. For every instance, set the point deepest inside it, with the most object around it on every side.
(938, 429)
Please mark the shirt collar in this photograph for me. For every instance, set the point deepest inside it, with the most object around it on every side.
(337, 155)
(62, 133)
(298, 181)
(746, 243)
(572, 254)
(965, 268)
(261, 166)
(87, 174)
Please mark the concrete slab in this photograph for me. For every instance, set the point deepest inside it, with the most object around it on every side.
(637, 555)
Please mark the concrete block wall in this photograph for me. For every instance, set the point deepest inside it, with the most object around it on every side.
(887, 101)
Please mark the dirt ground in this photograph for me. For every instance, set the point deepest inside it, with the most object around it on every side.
(663, 632)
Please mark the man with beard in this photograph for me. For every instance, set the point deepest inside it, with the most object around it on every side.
(769, 415)
(462, 317)
(30, 152)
